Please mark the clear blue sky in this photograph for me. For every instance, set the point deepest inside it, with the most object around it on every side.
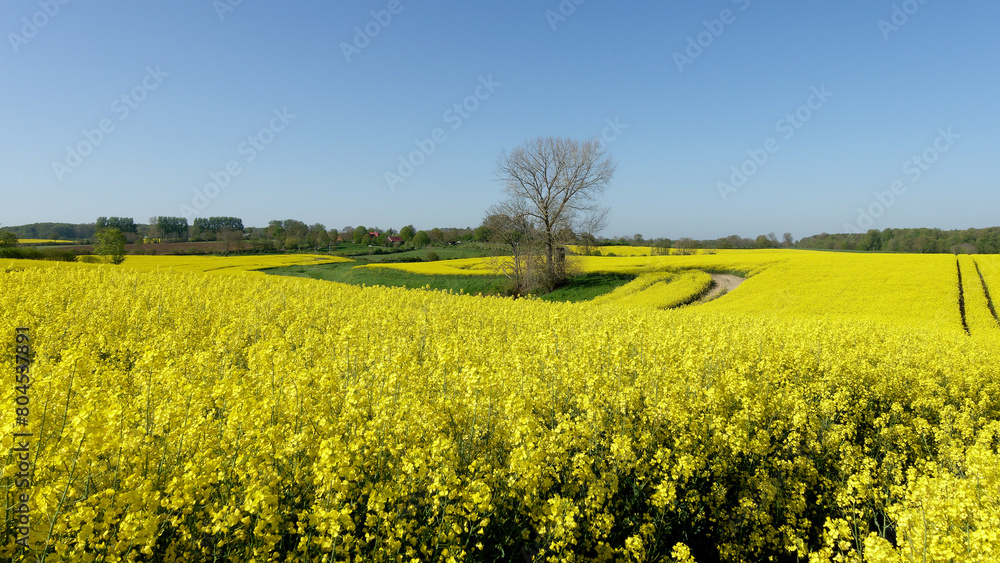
(203, 84)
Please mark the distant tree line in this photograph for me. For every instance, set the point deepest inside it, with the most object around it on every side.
(925, 241)
(9, 249)
(54, 231)
(169, 228)
(293, 235)
(666, 245)
(214, 226)
(123, 224)
(279, 235)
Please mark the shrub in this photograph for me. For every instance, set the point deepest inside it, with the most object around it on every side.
(36, 254)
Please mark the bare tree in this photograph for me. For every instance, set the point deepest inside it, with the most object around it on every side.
(509, 225)
(557, 182)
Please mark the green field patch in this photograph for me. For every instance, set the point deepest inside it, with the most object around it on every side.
(579, 288)
(586, 287)
(350, 273)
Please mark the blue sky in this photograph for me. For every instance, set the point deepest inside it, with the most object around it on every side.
(309, 117)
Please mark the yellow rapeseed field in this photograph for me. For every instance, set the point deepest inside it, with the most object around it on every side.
(204, 264)
(919, 291)
(633, 250)
(833, 408)
(660, 290)
(226, 264)
(616, 250)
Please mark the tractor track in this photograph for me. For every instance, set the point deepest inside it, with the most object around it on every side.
(961, 299)
(986, 290)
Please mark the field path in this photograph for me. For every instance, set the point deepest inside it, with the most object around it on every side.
(722, 282)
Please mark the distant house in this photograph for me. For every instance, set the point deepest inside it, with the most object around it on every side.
(395, 240)
(374, 234)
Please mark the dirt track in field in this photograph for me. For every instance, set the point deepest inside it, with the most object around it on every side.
(720, 283)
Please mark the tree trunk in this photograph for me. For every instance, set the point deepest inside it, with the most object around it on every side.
(550, 271)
